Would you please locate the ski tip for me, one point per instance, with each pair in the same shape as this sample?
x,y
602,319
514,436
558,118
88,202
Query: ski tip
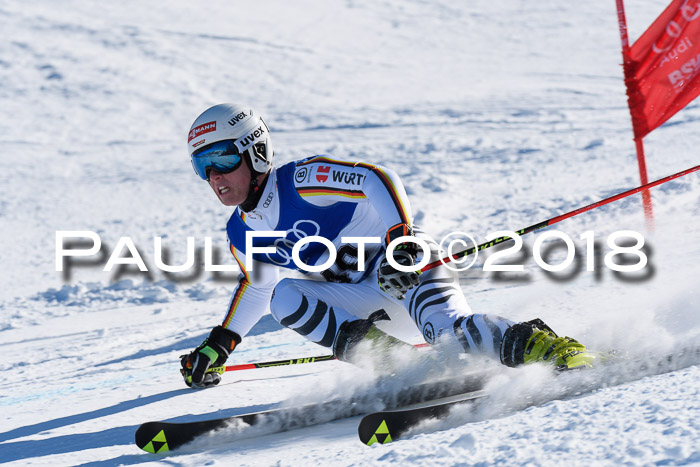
x,y
151,438
373,429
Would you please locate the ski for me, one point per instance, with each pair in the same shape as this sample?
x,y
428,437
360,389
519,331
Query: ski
x,y
160,436
384,427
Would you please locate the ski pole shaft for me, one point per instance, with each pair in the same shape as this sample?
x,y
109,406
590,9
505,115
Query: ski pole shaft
x,y
554,220
292,361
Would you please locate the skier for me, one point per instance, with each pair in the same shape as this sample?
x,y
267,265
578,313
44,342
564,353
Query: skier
x,y
344,303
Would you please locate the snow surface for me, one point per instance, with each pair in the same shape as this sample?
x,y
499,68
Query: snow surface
x,y
496,115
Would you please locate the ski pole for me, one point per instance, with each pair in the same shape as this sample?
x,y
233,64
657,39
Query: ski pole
x,y
292,361
554,220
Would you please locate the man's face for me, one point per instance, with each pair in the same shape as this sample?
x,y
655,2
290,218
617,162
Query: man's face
x,y
231,188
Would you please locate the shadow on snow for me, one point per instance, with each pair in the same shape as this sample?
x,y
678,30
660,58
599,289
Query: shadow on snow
x,y
266,324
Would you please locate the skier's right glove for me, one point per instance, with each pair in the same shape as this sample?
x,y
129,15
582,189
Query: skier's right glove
x,y
212,352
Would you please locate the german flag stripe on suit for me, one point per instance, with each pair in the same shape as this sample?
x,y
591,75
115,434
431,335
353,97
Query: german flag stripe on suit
x,y
242,286
383,177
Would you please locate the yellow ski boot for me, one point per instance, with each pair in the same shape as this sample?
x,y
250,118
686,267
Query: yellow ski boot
x,y
534,341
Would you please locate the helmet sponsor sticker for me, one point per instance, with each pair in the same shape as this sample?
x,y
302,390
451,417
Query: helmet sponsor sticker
x,y
201,129
194,145
257,135
237,118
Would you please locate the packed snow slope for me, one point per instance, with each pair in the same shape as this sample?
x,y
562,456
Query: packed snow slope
x,y
497,115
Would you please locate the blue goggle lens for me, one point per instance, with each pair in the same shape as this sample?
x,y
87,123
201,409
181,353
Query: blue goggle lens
x,y
222,156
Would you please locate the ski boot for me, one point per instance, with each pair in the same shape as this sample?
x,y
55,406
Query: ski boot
x,y
361,343
534,341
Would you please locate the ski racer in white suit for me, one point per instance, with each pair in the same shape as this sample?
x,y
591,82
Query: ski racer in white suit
x,y
357,299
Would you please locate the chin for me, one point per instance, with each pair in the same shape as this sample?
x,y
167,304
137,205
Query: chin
x,y
229,202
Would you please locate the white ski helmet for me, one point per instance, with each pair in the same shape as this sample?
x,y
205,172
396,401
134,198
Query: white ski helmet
x,y
237,124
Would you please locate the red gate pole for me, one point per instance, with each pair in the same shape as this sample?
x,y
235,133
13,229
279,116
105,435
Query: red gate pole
x,y
638,141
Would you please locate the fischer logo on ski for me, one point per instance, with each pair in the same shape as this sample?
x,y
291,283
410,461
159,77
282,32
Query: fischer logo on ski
x,y
384,435
158,444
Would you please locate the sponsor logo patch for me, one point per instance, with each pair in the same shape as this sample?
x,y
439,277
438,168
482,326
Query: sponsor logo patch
x,y
300,174
320,171
201,129
429,333
341,176
268,200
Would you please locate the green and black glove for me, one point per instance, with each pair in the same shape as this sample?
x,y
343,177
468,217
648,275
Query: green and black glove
x,y
213,352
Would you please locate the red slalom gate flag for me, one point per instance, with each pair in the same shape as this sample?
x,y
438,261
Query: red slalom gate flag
x,y
662,70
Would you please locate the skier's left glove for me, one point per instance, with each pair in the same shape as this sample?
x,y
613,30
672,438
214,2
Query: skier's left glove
x,y
213,352
392,281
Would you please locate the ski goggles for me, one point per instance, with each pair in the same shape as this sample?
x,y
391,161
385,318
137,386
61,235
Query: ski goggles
x,y
222,156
